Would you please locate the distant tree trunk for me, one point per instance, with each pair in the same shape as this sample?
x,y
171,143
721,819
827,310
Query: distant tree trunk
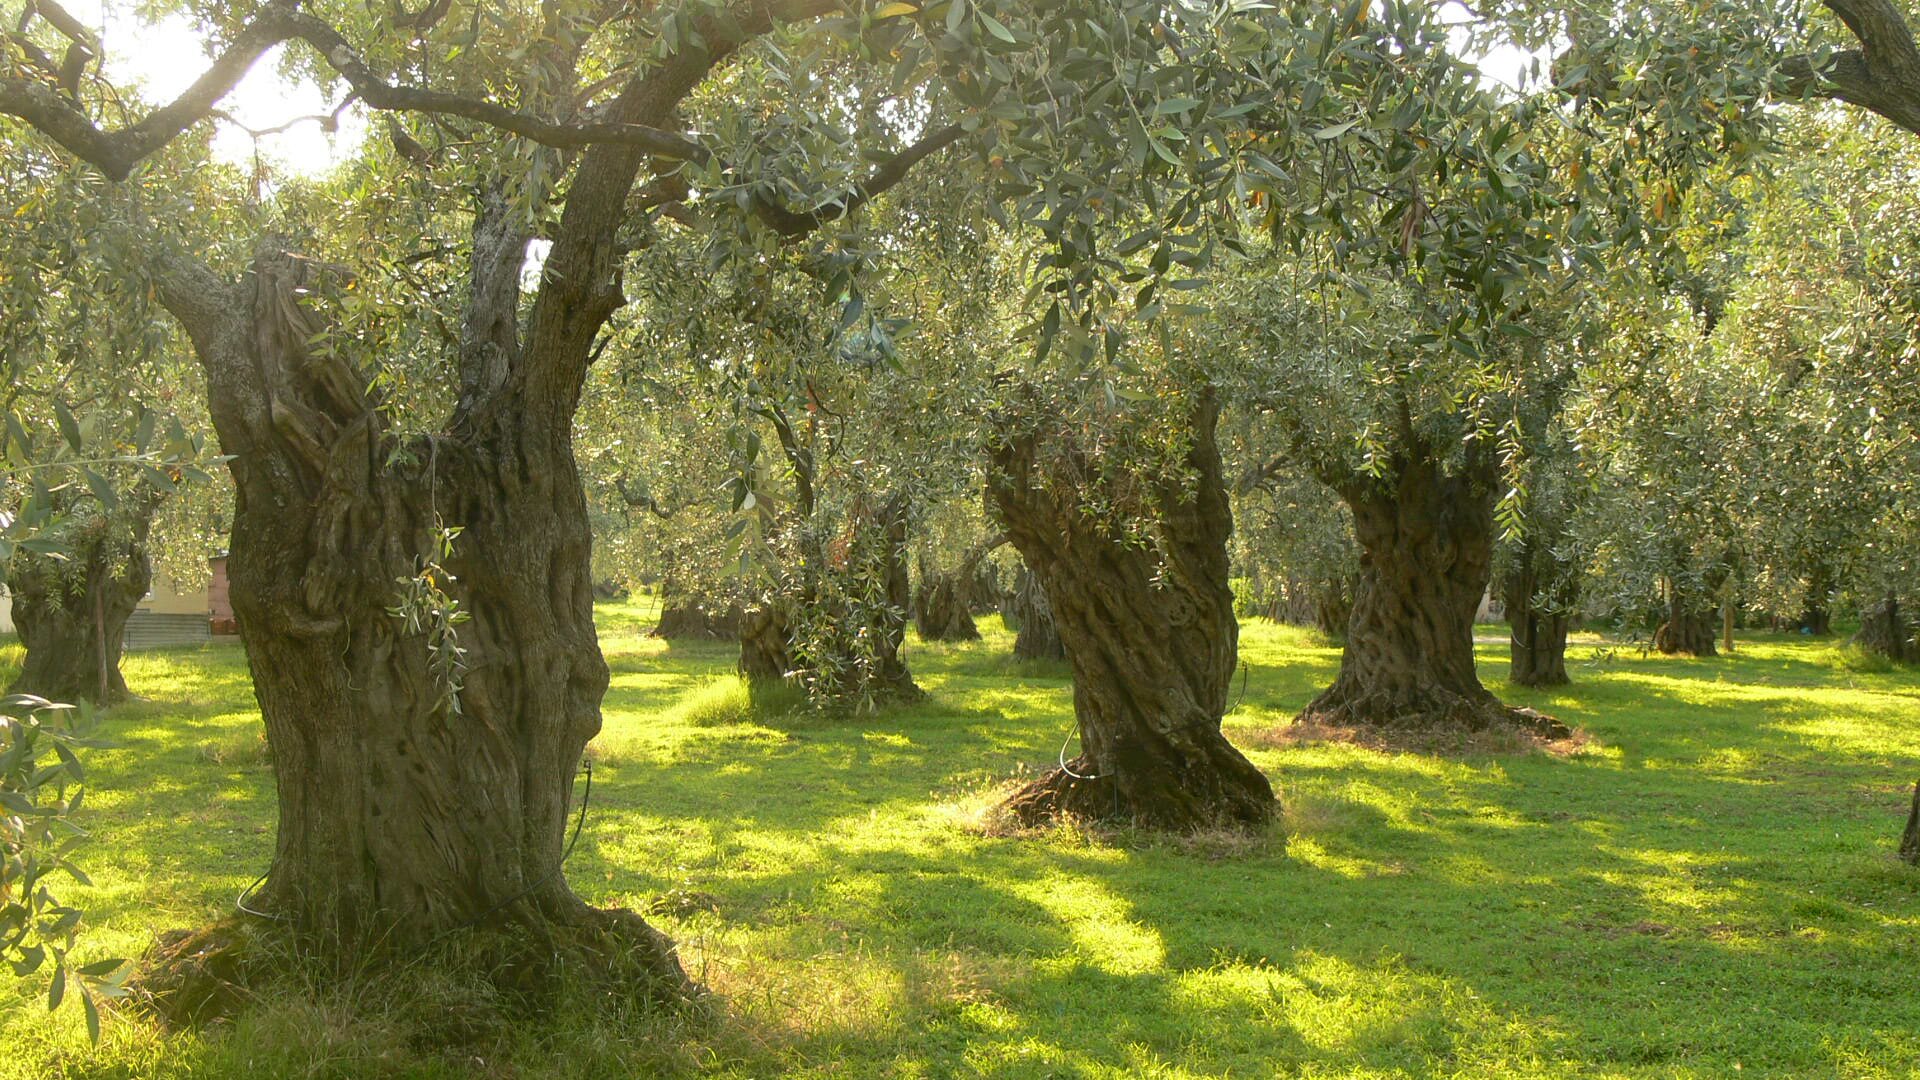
x,y
766,653
1816,614
840,646
71,614
944,609
1688,629
1910,839
1332,602
1426,540
1151,636
687,617
1727,620
886,523
1884,630
1538,641
1027,611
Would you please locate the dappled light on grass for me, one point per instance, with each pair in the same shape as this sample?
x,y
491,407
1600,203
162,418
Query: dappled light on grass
x,y
1709,882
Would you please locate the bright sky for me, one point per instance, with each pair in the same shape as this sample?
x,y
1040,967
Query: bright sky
x,y
165,57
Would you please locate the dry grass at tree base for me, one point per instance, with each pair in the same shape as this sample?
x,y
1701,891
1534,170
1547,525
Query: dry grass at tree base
x,y
1705,887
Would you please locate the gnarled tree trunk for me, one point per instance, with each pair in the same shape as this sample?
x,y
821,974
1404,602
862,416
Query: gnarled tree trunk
x,y
1027,611
1884,630
71,614
1152,639
1426,540
695,618
417,795
1688,629
943,610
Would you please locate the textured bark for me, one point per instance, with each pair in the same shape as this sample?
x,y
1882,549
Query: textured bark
x,y
1027,611
1539,625
766,650
697,619
1426,540
943,610
72,614
404,815
1152,639
1332,604
1910,838
887,522
1688,629
1885,630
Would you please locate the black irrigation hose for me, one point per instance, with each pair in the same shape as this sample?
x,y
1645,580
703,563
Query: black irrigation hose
x,y
579,824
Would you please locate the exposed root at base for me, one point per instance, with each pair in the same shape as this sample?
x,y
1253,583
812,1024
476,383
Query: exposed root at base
x,y
1510,731
503,971
1226,802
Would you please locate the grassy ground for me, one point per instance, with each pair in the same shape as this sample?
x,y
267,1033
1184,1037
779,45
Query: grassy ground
x,y
1706,888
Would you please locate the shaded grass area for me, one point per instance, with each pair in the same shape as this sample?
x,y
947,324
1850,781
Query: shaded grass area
x,y
1708,886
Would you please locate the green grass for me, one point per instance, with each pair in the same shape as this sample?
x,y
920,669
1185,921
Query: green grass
x,y
1708,887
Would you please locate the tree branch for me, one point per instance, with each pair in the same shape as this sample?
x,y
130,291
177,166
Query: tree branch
x,y
789,223
1882,76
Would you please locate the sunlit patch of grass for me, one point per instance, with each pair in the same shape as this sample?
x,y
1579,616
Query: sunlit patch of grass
x,y
1707,890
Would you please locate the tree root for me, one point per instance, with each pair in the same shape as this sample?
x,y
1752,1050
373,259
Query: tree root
x,y
192,978
1227,799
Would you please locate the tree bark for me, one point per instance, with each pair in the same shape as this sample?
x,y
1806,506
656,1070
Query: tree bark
x,y
1884,630
71,614
1152,638
685,617
840,646
1688,629
1538,640
943,611
424,777
1027,611
1426,540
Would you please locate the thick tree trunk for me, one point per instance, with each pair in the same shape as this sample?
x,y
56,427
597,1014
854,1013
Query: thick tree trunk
x,y
1688,629
409,807
1332,603
71,614
942,611
1152,638
766,652
1426,541
1884,630
1027,611
1539,630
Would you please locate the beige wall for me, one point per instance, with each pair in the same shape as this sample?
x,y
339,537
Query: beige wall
x,y
168,597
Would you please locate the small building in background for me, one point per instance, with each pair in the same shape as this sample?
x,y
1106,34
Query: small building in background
x,y
176,614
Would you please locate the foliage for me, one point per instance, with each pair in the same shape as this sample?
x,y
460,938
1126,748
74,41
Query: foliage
x,y
41,785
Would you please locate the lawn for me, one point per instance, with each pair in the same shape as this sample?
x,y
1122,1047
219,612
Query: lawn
x,y
1707,887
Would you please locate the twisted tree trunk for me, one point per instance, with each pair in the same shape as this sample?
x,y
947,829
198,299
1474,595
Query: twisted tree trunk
x,y
943,611
1152,638
424,768
1688,629
71,614
1426,540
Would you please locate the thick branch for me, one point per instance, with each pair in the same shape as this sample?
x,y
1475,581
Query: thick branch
x,y
789,223
1882,76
